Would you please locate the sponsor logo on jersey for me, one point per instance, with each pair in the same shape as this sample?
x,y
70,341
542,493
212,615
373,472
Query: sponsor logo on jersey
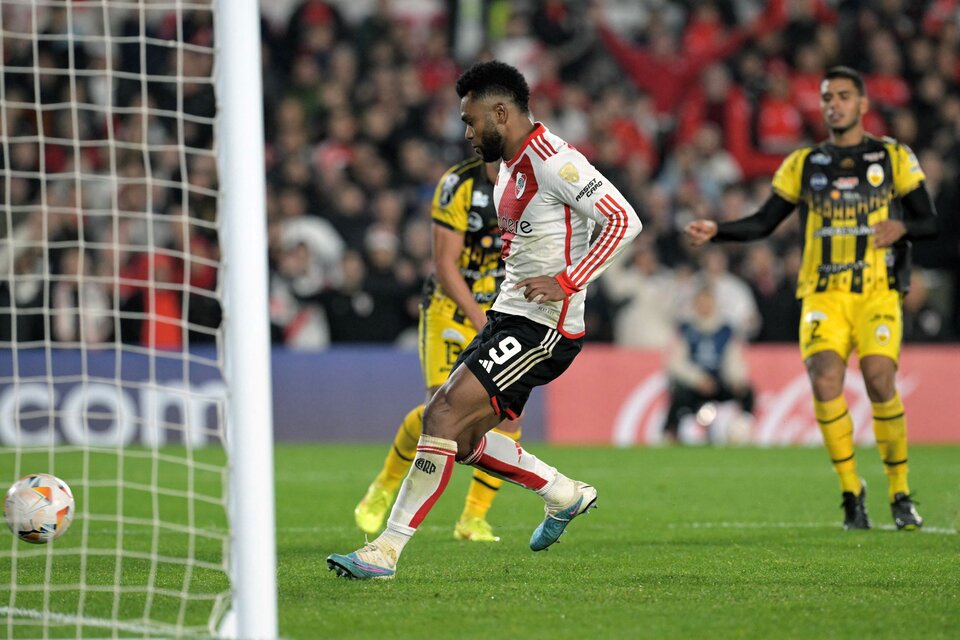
x,y
875,175
425,465
829,232
590,189
509,225
521,184
448,188
847,163
833,269
569,173
821,159
479,199
474,221
834,195
849,182
874,156
818,181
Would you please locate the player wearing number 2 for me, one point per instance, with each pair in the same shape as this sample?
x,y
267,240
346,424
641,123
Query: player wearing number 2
x,y
861,201
549,199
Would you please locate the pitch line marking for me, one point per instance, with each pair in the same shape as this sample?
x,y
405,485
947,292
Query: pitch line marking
x,y
797,525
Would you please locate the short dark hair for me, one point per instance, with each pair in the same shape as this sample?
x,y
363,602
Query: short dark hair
x,y
495,78
850,74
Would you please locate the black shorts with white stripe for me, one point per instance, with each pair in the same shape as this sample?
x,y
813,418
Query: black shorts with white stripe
x,y
511,355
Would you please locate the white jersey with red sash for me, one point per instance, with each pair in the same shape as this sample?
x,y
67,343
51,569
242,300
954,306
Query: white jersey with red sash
x,y
548,198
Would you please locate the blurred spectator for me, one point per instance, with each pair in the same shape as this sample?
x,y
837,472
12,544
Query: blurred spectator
x,y
736,302
705,363
645,294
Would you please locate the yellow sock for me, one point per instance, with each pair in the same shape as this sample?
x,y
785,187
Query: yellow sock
x,y
484,487
403,451
890,429
837,428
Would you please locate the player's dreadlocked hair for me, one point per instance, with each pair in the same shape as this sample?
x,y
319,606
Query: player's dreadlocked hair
x,y
495,78
848,73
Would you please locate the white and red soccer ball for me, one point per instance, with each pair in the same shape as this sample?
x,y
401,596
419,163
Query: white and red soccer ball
x,y
39,508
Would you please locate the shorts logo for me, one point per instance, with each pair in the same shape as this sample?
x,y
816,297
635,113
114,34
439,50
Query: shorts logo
x,y
569,173
818,181
882,334
425,465
875,175
487,365
521,184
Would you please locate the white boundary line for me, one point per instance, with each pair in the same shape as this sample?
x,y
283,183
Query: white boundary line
x,y
798,525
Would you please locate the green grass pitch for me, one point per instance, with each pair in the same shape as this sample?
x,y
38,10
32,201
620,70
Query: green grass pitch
x,y
686,543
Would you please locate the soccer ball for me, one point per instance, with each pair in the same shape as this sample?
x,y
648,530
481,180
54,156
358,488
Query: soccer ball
x,y
39,508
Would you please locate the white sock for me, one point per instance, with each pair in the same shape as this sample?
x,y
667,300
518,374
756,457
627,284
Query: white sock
x,y
500,456
426,480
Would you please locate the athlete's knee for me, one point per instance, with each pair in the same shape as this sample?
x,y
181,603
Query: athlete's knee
x,y
879,377
826,372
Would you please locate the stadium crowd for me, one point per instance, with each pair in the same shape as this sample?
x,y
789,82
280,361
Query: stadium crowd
x,y
688,106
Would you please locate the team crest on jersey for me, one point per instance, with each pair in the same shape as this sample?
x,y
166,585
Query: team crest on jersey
x,y
847,163
875,175
521,184
882,334
569,173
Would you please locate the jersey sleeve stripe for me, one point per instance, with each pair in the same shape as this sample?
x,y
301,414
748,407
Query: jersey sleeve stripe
x,y
613,233
600,250
546,144
543,150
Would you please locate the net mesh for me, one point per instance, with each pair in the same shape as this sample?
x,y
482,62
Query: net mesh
x,y
110,340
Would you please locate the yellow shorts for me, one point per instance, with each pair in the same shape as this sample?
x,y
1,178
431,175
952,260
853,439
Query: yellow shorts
x,y
871,323
442,338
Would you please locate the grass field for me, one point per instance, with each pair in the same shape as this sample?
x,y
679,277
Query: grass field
x,y
686,543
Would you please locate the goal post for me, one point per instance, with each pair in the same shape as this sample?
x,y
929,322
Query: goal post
x,y
134,335
243,206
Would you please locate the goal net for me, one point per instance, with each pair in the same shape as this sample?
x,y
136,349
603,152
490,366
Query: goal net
x,y
112,348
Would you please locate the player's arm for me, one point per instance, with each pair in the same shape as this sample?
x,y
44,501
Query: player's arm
x,y
759,225
447,247
575,183
920,221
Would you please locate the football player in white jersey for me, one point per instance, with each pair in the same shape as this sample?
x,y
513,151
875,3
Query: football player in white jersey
x,y
549,198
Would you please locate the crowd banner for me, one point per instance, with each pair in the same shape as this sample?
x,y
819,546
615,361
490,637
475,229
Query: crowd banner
x,y
618,396
609,396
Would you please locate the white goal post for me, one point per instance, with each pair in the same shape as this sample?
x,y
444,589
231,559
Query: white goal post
x,y
248,339
134,335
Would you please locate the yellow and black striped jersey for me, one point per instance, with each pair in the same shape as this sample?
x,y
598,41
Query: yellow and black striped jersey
x,y
841,192
463,202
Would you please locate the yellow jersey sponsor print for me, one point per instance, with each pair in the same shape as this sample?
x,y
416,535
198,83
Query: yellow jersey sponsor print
x,y
841,192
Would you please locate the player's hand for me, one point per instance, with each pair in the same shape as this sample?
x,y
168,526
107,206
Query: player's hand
x,y
886,232
541,289
700,231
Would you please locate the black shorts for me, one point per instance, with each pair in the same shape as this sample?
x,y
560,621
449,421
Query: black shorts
x,y
511,355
